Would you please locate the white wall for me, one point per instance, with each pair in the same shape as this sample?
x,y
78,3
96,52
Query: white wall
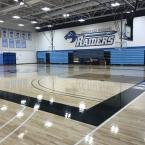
x,y
139,32
43,39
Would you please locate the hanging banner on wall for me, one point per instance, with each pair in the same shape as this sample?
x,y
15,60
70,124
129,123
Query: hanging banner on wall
x,y
23,43
91,39
11,43
4,33
23,35
4,42
18,43
29,36
11,34
17,35
14,38
0,34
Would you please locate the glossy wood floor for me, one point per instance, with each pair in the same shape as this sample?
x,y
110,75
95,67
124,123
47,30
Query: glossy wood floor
x,y
126,128
22,125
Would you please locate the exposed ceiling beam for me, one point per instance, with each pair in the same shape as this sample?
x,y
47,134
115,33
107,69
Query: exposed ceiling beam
x,y
58,7
75,8
130,4
89,18
15,7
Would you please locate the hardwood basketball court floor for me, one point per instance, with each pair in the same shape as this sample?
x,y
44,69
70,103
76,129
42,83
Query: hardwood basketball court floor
x,y
72,105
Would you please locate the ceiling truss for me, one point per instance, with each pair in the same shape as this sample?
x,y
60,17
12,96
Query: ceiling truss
x,y
86,9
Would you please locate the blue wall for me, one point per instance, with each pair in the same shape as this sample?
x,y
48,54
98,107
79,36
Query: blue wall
x,y
41,56
8,58
1,58
59,57
133,56
130,55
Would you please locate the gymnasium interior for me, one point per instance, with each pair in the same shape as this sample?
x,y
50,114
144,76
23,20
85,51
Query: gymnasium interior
x,y
72,72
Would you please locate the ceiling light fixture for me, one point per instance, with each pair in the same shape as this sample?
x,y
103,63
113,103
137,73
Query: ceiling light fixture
x,y
46,9
37,28
81,20
34,22
128,12
66,15
1,21
21,2
116,4
21,25
49,26
16,17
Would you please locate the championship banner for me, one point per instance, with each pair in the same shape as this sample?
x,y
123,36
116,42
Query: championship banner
x,y
0,33
4,33
17,35
18,43
4,42
23,43
11,33
11,43
29,36
23,35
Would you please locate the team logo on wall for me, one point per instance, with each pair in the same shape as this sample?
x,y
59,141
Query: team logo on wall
x,y
91,39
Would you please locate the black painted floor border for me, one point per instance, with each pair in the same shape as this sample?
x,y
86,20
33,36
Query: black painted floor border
x,y
93,116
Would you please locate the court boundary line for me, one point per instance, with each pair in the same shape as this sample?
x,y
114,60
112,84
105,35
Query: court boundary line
x,y
16,129
57,93
13,118
105,122
62,93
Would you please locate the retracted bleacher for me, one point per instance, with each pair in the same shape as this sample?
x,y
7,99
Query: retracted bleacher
x,y
58,57
89,56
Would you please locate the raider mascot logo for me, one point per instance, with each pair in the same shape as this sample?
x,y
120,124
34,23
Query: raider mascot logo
x,y
91,39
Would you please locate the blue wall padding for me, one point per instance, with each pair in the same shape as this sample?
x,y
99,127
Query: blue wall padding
x,y
128,56
1,58
8,58
59,57
41,56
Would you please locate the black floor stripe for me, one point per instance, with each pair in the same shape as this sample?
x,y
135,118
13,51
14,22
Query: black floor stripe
x,y
94,116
